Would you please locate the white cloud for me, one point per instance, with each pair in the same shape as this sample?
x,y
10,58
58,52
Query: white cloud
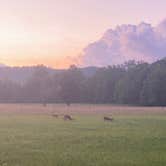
x,y
127,42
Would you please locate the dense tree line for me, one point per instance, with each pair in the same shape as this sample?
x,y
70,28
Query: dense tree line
x,y
134,83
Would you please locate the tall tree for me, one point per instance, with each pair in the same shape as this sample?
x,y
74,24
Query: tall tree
x,y
71,85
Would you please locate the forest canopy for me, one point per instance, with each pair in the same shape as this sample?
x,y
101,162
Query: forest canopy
x,y
133,83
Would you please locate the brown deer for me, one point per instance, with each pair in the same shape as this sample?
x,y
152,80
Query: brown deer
x,y
44,104
108,119
55,115
67,117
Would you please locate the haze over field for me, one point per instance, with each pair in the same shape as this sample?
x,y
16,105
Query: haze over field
x,y
57,33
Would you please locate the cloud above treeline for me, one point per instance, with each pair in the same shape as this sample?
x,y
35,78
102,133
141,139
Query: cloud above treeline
x,y
141,42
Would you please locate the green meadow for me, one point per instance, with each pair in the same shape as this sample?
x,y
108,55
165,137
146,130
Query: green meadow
x,y
38,139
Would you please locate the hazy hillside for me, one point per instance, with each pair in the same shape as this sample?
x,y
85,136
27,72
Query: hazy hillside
x,y
22,74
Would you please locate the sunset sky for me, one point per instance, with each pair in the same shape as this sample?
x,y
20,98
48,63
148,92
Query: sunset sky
x,y
54,32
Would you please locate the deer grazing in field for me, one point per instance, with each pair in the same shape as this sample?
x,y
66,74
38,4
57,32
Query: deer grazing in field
x,y
67,117
55,115
68,104
108,119
44,104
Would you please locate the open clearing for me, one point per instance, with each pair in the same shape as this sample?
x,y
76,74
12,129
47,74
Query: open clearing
x,y
30,136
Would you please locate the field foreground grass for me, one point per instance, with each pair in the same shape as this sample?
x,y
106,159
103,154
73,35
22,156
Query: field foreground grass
x,y
30,136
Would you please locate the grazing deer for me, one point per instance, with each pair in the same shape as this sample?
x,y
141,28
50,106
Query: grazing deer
x,y
44,104
67,117
55,115
68,104
108,119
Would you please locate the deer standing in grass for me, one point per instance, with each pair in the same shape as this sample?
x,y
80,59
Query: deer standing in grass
x,y
108,119
67,117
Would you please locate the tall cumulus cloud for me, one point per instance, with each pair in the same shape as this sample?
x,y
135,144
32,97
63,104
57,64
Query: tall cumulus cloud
x,y
141,42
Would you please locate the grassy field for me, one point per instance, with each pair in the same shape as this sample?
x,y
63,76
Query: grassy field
x,y
30,136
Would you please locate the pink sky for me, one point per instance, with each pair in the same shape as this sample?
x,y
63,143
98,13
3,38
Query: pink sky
x,y
52,32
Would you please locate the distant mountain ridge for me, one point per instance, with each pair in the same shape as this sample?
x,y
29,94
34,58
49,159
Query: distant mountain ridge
x,y
2,65
22,74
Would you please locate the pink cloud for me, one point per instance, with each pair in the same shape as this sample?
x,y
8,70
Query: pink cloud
x,y
127,42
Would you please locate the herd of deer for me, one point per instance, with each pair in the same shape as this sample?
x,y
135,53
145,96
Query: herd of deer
x,y
69,117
